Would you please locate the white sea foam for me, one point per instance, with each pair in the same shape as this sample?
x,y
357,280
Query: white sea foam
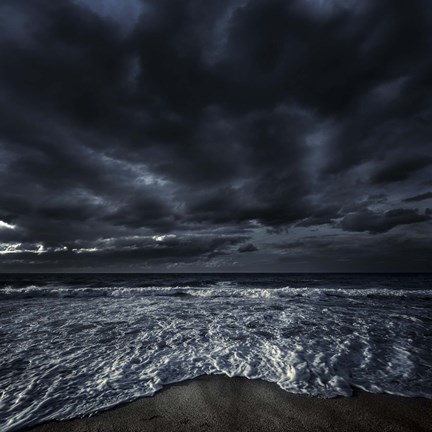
x,y
219,290
73,350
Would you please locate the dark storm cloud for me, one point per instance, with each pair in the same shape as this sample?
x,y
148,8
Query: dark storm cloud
x,y
421,197
381,222
370,254
248,248
124,253
401,170
165,132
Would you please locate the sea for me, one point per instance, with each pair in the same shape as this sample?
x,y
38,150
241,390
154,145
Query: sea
x,y
75,344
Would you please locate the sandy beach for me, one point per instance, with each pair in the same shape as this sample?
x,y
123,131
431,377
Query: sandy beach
x,y
219,403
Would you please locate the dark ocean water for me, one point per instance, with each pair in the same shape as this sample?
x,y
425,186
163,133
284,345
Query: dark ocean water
x,y
74,344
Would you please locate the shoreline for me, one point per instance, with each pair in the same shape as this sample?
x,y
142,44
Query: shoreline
x,y
220,403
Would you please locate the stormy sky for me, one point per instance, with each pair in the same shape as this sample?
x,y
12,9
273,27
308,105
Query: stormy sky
x,y
223,135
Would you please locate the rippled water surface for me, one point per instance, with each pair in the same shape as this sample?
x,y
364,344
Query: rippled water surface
x,y
74,344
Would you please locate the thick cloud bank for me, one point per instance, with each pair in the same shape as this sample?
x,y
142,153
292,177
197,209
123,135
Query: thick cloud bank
x,y
166,135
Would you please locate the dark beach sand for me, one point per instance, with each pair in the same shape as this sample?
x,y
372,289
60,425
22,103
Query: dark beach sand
x,y
219,403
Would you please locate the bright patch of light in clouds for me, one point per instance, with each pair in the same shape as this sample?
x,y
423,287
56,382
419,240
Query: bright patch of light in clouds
x,y
5,225
83,250
7,248
17,248
161,238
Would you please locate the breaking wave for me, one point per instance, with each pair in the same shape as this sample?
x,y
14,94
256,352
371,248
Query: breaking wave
x,y
217,291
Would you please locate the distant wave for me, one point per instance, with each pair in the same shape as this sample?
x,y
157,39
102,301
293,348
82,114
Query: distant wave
x,y
217,291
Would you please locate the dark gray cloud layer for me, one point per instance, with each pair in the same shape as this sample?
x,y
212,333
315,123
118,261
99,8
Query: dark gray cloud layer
x,y
165,135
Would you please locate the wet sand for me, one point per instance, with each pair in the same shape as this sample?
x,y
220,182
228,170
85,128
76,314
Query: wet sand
x,y
219,403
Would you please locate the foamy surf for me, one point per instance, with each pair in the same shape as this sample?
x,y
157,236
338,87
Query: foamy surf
x,y
72,349
217,291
